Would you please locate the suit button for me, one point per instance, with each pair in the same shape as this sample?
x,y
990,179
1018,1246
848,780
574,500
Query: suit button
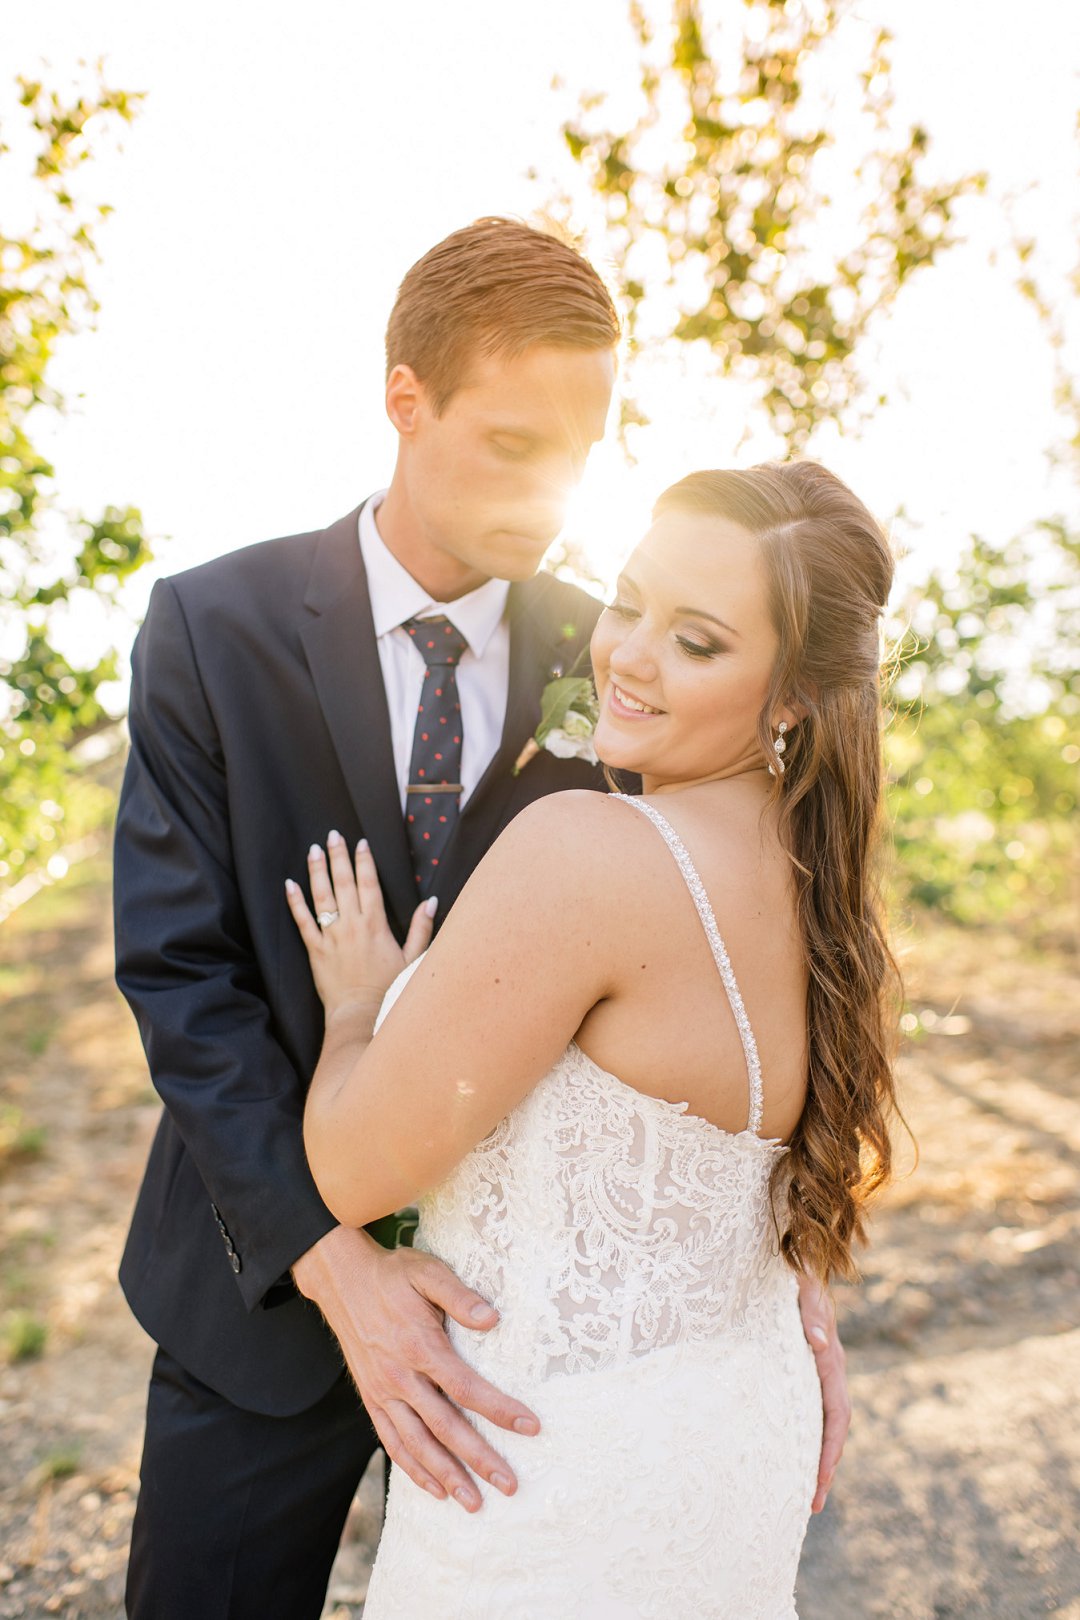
x,y
234,1261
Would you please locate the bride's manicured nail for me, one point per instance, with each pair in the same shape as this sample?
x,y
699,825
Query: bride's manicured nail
x,y
333,839
503,1482
314,853
361,848
526,1426
290,886
478,1312
463,1496
436,1492
431,906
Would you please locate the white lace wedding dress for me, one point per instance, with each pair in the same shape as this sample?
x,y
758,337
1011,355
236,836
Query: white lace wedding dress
x,y
648,1320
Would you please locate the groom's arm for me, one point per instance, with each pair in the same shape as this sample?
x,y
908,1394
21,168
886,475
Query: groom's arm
x,y
186,966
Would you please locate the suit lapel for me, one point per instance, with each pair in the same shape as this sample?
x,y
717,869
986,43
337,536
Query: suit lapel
x,y
534,651
338,637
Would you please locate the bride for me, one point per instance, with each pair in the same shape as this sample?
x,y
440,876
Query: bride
x,y
641,1080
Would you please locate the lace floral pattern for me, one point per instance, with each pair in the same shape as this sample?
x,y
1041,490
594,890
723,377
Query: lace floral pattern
x,y
605,1224
648,1319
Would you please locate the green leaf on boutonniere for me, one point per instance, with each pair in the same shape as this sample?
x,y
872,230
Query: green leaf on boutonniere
x,y
559,697
568,715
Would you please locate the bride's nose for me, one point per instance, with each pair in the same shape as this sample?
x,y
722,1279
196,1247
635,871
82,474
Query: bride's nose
x,y
634,654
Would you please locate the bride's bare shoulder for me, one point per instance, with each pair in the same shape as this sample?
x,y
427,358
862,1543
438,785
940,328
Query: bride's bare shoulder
x,y
579,842
580,819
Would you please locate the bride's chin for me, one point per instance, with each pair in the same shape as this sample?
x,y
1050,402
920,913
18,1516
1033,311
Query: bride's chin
x,y
622,759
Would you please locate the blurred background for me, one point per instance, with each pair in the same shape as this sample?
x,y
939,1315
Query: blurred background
x,y
847,231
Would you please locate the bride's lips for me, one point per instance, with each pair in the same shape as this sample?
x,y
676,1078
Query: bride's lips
x,y
624,711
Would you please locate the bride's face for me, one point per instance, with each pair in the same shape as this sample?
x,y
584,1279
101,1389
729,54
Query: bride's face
x,y
684,654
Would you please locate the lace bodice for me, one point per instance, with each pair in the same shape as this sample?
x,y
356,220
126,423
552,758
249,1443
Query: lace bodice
x,y
647,1317
605,1223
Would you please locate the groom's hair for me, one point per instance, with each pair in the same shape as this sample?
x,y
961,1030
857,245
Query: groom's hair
x,y
494,288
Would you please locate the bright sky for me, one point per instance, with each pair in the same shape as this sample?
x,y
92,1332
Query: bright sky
x,y
291,162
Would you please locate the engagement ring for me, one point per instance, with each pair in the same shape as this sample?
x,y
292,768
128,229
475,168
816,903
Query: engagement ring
x,y
327,919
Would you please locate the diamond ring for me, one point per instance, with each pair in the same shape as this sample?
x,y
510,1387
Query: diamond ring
x,y
327,919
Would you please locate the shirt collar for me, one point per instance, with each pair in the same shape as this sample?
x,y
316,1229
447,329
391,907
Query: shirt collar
x,y
396,596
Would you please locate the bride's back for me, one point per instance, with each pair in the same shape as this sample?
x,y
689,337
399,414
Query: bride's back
x,y
667,1028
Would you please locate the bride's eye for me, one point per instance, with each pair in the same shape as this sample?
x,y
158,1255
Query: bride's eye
x,y
696,649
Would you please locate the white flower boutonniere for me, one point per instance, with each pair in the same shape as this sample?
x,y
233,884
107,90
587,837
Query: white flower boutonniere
x,y
568,715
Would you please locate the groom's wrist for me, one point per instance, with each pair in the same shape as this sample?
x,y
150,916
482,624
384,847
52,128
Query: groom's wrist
x,y
339,1254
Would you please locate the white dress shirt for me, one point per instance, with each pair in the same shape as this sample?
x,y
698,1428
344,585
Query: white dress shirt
x,y
483,675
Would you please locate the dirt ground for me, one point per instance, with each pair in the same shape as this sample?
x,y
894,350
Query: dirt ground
x,y
959,1494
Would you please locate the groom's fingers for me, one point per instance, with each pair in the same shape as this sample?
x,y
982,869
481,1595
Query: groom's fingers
x,y
394,1447
837,1409
425,1452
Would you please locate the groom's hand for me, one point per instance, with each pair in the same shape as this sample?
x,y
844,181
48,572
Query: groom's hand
x,y
387,1309
819,1325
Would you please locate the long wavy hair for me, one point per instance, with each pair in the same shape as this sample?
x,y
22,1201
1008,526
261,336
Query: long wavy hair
x,y
829,570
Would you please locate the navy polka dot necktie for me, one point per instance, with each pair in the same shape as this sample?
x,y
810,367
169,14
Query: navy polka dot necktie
x,y
433,797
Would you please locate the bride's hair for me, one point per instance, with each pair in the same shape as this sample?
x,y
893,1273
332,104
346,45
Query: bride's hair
x,y
829,570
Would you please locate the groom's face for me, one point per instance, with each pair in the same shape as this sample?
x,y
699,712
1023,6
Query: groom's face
x,y
488,480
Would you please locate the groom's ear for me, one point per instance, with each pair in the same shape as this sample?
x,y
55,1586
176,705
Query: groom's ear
x,y
405,395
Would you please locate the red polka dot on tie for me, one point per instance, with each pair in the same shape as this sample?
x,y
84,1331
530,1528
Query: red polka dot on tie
x,y
425,736
434,860
427,801
426,837
457,739
438,756
421,772
431,644
442,722
438,691
412,818
442,818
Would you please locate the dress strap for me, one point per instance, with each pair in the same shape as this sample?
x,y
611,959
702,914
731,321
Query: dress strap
x,y
719,950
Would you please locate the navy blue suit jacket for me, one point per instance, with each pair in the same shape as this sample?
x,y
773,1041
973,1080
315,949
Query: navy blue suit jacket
x,y
258,722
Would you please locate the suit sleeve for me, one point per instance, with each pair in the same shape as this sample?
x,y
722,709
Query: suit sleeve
x,y
186,966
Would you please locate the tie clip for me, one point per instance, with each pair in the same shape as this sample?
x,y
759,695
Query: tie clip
x,y
434,787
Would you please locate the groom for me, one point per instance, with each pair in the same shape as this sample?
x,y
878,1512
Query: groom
x,y
277,694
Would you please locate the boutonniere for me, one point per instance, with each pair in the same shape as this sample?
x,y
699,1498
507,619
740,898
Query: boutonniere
x,y
568,715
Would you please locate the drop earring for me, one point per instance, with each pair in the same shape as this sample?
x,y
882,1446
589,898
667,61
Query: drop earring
x,y
779,745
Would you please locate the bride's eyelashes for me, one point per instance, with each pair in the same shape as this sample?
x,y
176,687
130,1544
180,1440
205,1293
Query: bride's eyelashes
x,y
693,649
697,649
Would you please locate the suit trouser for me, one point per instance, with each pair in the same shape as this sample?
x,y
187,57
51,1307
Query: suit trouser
x,y
239,1515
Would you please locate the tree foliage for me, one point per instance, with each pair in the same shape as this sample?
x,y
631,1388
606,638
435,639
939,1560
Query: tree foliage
x,y
48,707
713,194
982,745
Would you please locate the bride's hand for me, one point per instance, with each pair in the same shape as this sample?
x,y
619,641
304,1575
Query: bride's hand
x,y
354,956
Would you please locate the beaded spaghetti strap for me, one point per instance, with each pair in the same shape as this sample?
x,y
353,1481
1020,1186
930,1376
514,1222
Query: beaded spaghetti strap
x,y
719,950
